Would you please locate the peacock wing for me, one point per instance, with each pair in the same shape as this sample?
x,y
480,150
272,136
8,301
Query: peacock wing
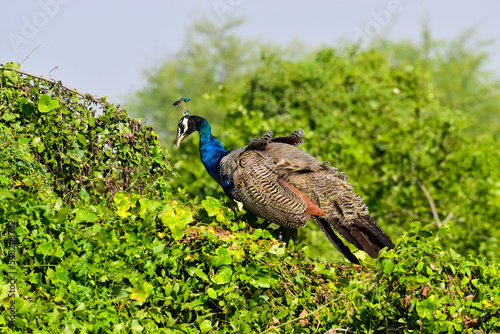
x,y
344,211
258,187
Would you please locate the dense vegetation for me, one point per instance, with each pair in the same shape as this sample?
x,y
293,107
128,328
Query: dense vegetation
x,y
111,239
416,143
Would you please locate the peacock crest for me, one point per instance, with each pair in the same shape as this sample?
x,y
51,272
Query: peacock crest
x,y
181,105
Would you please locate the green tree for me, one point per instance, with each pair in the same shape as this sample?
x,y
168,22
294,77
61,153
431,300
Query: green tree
x,y
459,71
406,153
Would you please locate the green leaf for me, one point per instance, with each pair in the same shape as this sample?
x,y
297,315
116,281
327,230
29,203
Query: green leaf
x,y
46,248
211,293
211,205
198,272
26,107
420,266
84,215
41,147
425,308
5,194
206,326
177,221
421,279
76,154
387,266
222,257
147,206
61,214
61,275
81,138
136,327
84,195
142,291
121,291
265,281
123,204
12,76
223,275
9,117
46,104
96,228
425,234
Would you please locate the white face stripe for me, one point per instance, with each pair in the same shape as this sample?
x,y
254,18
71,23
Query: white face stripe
x,y
183,128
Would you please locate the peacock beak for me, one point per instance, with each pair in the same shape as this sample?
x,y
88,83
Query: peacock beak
x,y
178,140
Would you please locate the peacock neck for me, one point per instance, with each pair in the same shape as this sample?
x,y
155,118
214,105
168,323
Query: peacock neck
x,y
211,151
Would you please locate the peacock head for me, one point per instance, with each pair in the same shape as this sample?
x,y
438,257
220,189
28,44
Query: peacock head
x,y
187,124
185,127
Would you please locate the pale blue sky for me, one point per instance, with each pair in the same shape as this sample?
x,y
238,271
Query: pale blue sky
x,y
102,47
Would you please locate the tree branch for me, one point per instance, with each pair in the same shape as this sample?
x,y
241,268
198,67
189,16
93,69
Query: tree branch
x,y
431,203
450,215
55,82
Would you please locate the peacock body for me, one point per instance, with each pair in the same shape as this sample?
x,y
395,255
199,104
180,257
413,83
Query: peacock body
x,y
277,181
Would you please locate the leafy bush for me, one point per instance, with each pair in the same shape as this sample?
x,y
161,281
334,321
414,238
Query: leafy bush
x,y
87,145
162,267
146,259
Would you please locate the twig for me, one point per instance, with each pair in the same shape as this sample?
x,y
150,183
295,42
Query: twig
x,y
431,203
55,82
29,54
53,70
450,215
345,330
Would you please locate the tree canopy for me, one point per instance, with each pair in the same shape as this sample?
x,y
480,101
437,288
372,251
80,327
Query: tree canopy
x,y
386,115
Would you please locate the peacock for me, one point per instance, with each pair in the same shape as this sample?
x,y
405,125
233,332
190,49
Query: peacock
x,y
279,182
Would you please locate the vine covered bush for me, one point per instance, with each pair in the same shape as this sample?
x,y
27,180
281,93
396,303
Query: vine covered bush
x,y
85,144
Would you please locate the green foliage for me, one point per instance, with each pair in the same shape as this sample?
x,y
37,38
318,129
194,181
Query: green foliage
x,y
381,123
89,147
142,265
153,261
440,290
18,167
460,76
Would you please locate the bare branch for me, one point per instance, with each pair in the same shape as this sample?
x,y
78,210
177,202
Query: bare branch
x,y
431,203
53,70
30,54
55,82
450,215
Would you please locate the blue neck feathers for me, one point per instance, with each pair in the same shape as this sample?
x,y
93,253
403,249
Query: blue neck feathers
x,y
211,151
